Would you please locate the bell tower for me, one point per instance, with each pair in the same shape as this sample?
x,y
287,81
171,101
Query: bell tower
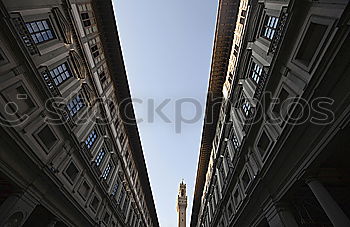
x,y
181,205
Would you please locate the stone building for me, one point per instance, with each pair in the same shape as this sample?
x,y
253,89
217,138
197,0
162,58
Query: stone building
x,y
70,152
275,147
181,205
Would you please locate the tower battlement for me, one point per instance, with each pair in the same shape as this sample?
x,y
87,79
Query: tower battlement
x,y
181,205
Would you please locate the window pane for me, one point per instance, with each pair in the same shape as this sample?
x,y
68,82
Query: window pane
x,y
40,26
40,30
60,74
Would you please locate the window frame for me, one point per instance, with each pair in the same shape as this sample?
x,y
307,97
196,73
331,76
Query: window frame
x,y
104,216
83,104
52,67
292,95
254,63
266,26
268,149
91,18
40,142
11,86
93,142
50,27
96,43
90,188
115,187
316,19
230,203
250,175
236,204
98,204
107,171
72,182
246,107
105,80
98,160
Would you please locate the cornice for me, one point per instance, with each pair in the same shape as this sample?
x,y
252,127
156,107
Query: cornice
x,y
225,25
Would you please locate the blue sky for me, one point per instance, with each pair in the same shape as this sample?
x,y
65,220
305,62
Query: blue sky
x,y
167,47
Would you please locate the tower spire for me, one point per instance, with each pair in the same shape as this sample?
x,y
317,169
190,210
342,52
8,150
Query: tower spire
x,y
181,204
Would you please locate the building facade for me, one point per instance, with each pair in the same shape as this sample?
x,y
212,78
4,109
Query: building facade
x,y
181,205
70,152
274,149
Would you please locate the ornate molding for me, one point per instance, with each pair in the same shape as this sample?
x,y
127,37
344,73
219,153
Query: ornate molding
x,y
279,30
64,26
78,63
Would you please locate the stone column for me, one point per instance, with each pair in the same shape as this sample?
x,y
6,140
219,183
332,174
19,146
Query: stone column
x,y
16,209
279,215
329,205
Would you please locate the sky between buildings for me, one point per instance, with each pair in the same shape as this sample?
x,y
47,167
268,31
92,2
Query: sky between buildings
x,y
167,47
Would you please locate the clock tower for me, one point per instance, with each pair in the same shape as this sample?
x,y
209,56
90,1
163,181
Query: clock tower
x,y
181,205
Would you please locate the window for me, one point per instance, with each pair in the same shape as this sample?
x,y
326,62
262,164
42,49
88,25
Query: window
x,y
94,203
245,179
103,75
89,142
230,78
229,209
84,189
246,107
75,105
72,172
19,100
236,196
241,20
263,144
87,18
122,137
95,51
95,47
111,108
40,31
115,188
47,138
107,171
100,156
256,72
236,49
269,27
60,74
310,43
